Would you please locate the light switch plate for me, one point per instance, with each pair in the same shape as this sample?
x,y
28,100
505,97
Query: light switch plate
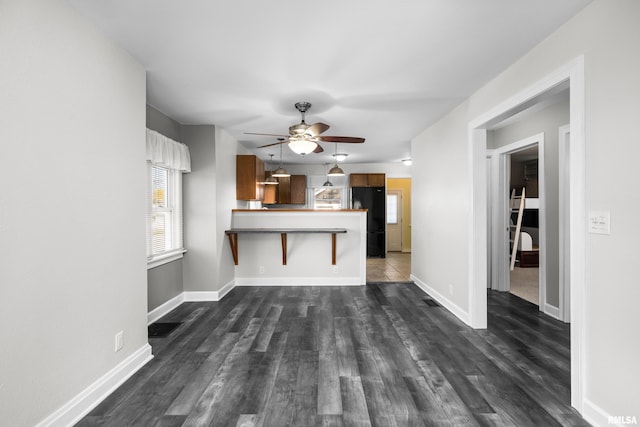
x,y
600,222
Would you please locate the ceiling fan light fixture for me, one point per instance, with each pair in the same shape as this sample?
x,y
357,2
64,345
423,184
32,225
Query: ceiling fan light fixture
x,y
340,156
302,146
335,171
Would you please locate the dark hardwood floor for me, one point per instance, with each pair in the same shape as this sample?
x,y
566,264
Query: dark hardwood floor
x,y
380,355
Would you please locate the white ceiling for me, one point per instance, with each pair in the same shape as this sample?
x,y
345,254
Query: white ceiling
x,y
378,69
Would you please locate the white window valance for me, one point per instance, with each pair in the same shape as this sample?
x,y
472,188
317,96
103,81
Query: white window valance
x,y
163,151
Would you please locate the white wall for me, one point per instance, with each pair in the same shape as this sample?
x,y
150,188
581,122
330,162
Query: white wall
x,y
607,34
72,210
439,209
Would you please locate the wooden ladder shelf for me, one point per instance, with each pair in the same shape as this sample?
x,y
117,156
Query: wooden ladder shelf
x,y
520,209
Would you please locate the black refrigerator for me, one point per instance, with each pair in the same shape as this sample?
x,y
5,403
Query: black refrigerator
x,y
374,200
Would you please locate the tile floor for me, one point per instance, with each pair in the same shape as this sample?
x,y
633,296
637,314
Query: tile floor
x,y
396,267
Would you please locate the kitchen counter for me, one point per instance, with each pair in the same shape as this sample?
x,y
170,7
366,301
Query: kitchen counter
x,y
309,256
299,210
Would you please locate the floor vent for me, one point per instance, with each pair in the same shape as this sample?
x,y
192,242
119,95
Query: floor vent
x,y
430,302
162,329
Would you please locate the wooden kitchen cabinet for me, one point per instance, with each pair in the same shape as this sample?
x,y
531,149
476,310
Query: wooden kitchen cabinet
x,y
284,190
290,190
270,191
298,189
249,176
358,180
367,180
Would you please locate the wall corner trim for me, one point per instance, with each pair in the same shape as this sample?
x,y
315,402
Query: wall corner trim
x,y
446,303
72,411
165,308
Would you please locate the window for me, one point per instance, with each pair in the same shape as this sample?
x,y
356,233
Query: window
x,y
164,225
392,208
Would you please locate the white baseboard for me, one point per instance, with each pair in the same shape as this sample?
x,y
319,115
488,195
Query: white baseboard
x,y
198,296
174,302
298,281
445,302
552,311
90,397
165,308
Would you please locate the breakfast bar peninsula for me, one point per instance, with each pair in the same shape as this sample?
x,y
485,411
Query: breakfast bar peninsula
x,y
299,246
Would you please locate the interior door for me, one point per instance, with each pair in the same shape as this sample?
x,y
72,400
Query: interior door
x,y
394,220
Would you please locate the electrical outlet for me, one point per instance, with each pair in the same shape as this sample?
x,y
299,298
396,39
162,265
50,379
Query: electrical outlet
x,y
262,269
335,268
119,341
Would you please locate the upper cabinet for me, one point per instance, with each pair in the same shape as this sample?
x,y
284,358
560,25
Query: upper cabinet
x,y
249,177
298,194
291,190
367,180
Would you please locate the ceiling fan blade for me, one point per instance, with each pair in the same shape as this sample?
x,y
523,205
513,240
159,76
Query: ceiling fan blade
x,y
266,134
318,149
347,139
317,128
275,143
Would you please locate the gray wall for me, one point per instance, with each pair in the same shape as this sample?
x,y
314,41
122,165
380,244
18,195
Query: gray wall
x,y
199,205
72,191
164,282
209,197
546,121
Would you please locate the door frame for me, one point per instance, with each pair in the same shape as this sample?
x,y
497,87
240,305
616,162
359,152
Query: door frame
x,y
564,223
500,183
572,74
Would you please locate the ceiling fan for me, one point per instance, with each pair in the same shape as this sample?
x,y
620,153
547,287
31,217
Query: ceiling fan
x,y
303,138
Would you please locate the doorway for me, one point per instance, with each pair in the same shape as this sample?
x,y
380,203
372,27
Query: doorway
x,y
396,265
570,75
525,280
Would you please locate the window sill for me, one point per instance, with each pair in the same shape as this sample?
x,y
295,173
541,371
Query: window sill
x,y
165,258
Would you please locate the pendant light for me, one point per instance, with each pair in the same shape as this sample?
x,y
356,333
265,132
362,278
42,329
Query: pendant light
x,y
270,179
280,172
327,183
336,171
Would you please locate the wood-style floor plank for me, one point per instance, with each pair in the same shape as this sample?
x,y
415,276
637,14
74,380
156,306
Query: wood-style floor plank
x,y
382,355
